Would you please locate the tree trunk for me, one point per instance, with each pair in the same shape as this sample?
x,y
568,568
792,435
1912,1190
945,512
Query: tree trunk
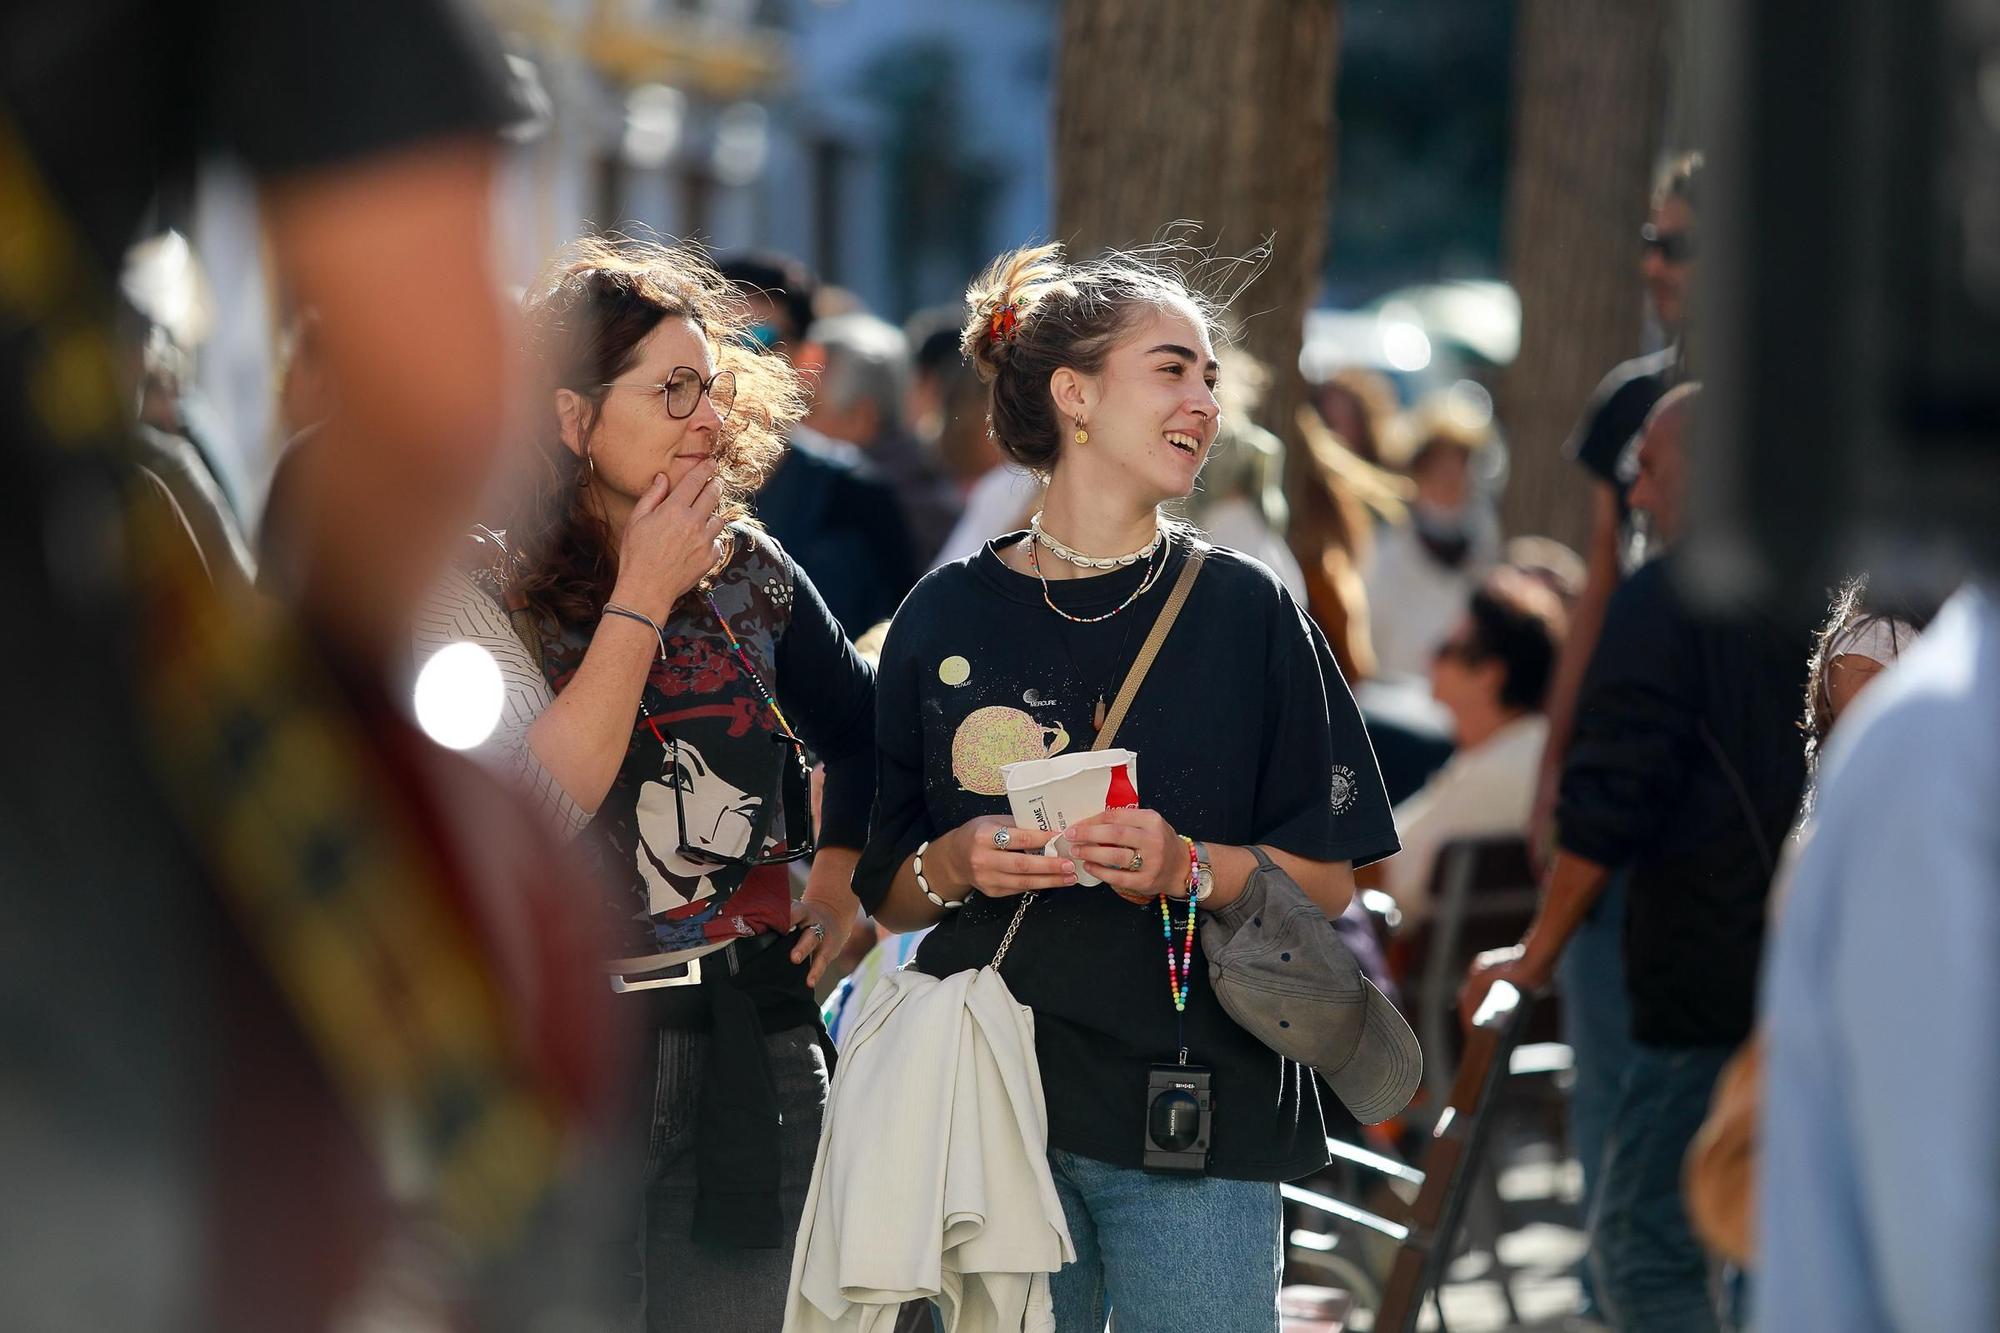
x,y
1220,114
1589,90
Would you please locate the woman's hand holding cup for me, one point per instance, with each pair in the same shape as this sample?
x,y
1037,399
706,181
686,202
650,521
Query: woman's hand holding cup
x,y
998,868
673,538
1107,843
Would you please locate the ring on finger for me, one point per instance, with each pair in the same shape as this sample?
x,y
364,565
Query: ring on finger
x,y
1138,861
1001,837
818,929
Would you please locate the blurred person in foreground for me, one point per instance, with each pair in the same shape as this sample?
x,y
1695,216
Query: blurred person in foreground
x,y
830,509
1876,1159
1421,571
859,399
1492,673
668,666
1685,771
1102,378
239,887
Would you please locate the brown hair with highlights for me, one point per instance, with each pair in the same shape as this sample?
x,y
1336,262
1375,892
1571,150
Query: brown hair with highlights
x,y
1033,312
586,316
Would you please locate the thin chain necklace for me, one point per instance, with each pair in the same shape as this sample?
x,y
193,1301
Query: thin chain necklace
x,y
1090,561
1097,713
1145,585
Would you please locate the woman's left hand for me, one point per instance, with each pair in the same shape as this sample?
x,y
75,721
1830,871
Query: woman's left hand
x,y
826,931
1107,843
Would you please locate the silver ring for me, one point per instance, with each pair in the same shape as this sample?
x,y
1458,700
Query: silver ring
x,y
1001,837
1138,860
818,929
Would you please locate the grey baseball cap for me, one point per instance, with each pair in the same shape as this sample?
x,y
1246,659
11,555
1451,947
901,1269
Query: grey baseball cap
x,y
1283,973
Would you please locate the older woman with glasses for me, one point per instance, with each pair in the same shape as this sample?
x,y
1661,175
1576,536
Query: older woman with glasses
x,y
669,667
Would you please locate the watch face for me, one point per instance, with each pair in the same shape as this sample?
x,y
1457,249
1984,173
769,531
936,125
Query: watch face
x,y
1204,880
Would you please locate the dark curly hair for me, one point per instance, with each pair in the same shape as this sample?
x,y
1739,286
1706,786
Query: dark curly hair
x,y
1033,312
586,315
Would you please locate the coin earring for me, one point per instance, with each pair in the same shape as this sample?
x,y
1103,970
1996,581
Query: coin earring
x,y
1082,436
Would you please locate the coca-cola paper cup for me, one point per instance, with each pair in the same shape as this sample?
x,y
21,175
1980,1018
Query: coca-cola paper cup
x,y
1052,794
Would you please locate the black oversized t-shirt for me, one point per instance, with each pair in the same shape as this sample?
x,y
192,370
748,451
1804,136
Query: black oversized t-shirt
x,y
1245,733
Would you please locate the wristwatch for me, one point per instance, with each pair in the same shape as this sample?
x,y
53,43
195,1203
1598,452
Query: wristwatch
x,y
1201,881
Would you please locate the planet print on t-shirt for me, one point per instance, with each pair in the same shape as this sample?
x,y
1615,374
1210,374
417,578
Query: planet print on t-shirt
x,y
992,737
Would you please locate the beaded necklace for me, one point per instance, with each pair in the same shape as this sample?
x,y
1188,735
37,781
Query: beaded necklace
x,y
1179,973
743,656
1157,567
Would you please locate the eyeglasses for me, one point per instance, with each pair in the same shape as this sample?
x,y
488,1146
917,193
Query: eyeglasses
x,y
683,391
1676,247
794,794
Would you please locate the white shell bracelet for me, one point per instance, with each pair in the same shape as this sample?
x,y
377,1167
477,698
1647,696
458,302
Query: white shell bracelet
x,y
925,884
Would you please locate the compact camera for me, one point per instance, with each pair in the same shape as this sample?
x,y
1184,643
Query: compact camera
x,y
1180,1115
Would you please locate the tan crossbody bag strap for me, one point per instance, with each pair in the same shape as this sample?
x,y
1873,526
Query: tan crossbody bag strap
x,y
1150,649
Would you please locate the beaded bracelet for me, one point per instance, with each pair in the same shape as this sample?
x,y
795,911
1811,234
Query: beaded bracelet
x,y
925,884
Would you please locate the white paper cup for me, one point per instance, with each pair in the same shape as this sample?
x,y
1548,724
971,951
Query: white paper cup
x,y
1052,794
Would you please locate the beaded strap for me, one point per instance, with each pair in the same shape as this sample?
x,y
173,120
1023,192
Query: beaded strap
x,y
743,656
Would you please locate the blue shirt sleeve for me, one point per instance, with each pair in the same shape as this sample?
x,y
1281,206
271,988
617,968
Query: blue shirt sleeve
x,y
1878,1199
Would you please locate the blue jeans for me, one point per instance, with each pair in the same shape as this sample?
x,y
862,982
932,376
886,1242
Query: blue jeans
x,y
1166,1253
1597,1027
1652,1274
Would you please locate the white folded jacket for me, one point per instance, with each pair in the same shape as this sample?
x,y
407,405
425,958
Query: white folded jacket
x,y
932,1179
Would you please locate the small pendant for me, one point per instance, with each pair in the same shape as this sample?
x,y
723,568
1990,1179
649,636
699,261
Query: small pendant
x,y
1097,715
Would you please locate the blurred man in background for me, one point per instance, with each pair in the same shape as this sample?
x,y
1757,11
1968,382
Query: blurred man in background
x,y
825,504
864,378
1686,771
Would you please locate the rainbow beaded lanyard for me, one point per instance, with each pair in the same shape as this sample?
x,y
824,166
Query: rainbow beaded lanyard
x,y
1179,971
743,656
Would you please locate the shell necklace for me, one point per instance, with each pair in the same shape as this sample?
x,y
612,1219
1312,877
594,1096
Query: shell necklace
x,y
1146,583
1062,552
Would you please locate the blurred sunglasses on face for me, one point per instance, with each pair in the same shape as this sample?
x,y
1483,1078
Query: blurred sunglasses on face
x,y
682,391
1458,650
1676,247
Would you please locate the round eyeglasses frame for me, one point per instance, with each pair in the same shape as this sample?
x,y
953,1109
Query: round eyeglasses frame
x,y
687,387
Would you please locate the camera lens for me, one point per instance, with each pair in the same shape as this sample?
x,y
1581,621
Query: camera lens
x,y
1174,1120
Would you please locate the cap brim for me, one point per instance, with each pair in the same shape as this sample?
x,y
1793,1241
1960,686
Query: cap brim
x,y
1386,1068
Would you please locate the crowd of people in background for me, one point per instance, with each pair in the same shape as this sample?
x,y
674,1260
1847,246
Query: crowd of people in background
x,y
776,591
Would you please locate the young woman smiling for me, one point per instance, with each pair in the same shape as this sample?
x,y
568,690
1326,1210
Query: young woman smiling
x,y
1102,378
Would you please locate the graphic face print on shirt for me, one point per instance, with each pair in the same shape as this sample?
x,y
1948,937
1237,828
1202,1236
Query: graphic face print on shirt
x,y
721,817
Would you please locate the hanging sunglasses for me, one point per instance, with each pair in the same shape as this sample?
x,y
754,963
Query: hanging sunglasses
x,y
683,390
794,794
1676,247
